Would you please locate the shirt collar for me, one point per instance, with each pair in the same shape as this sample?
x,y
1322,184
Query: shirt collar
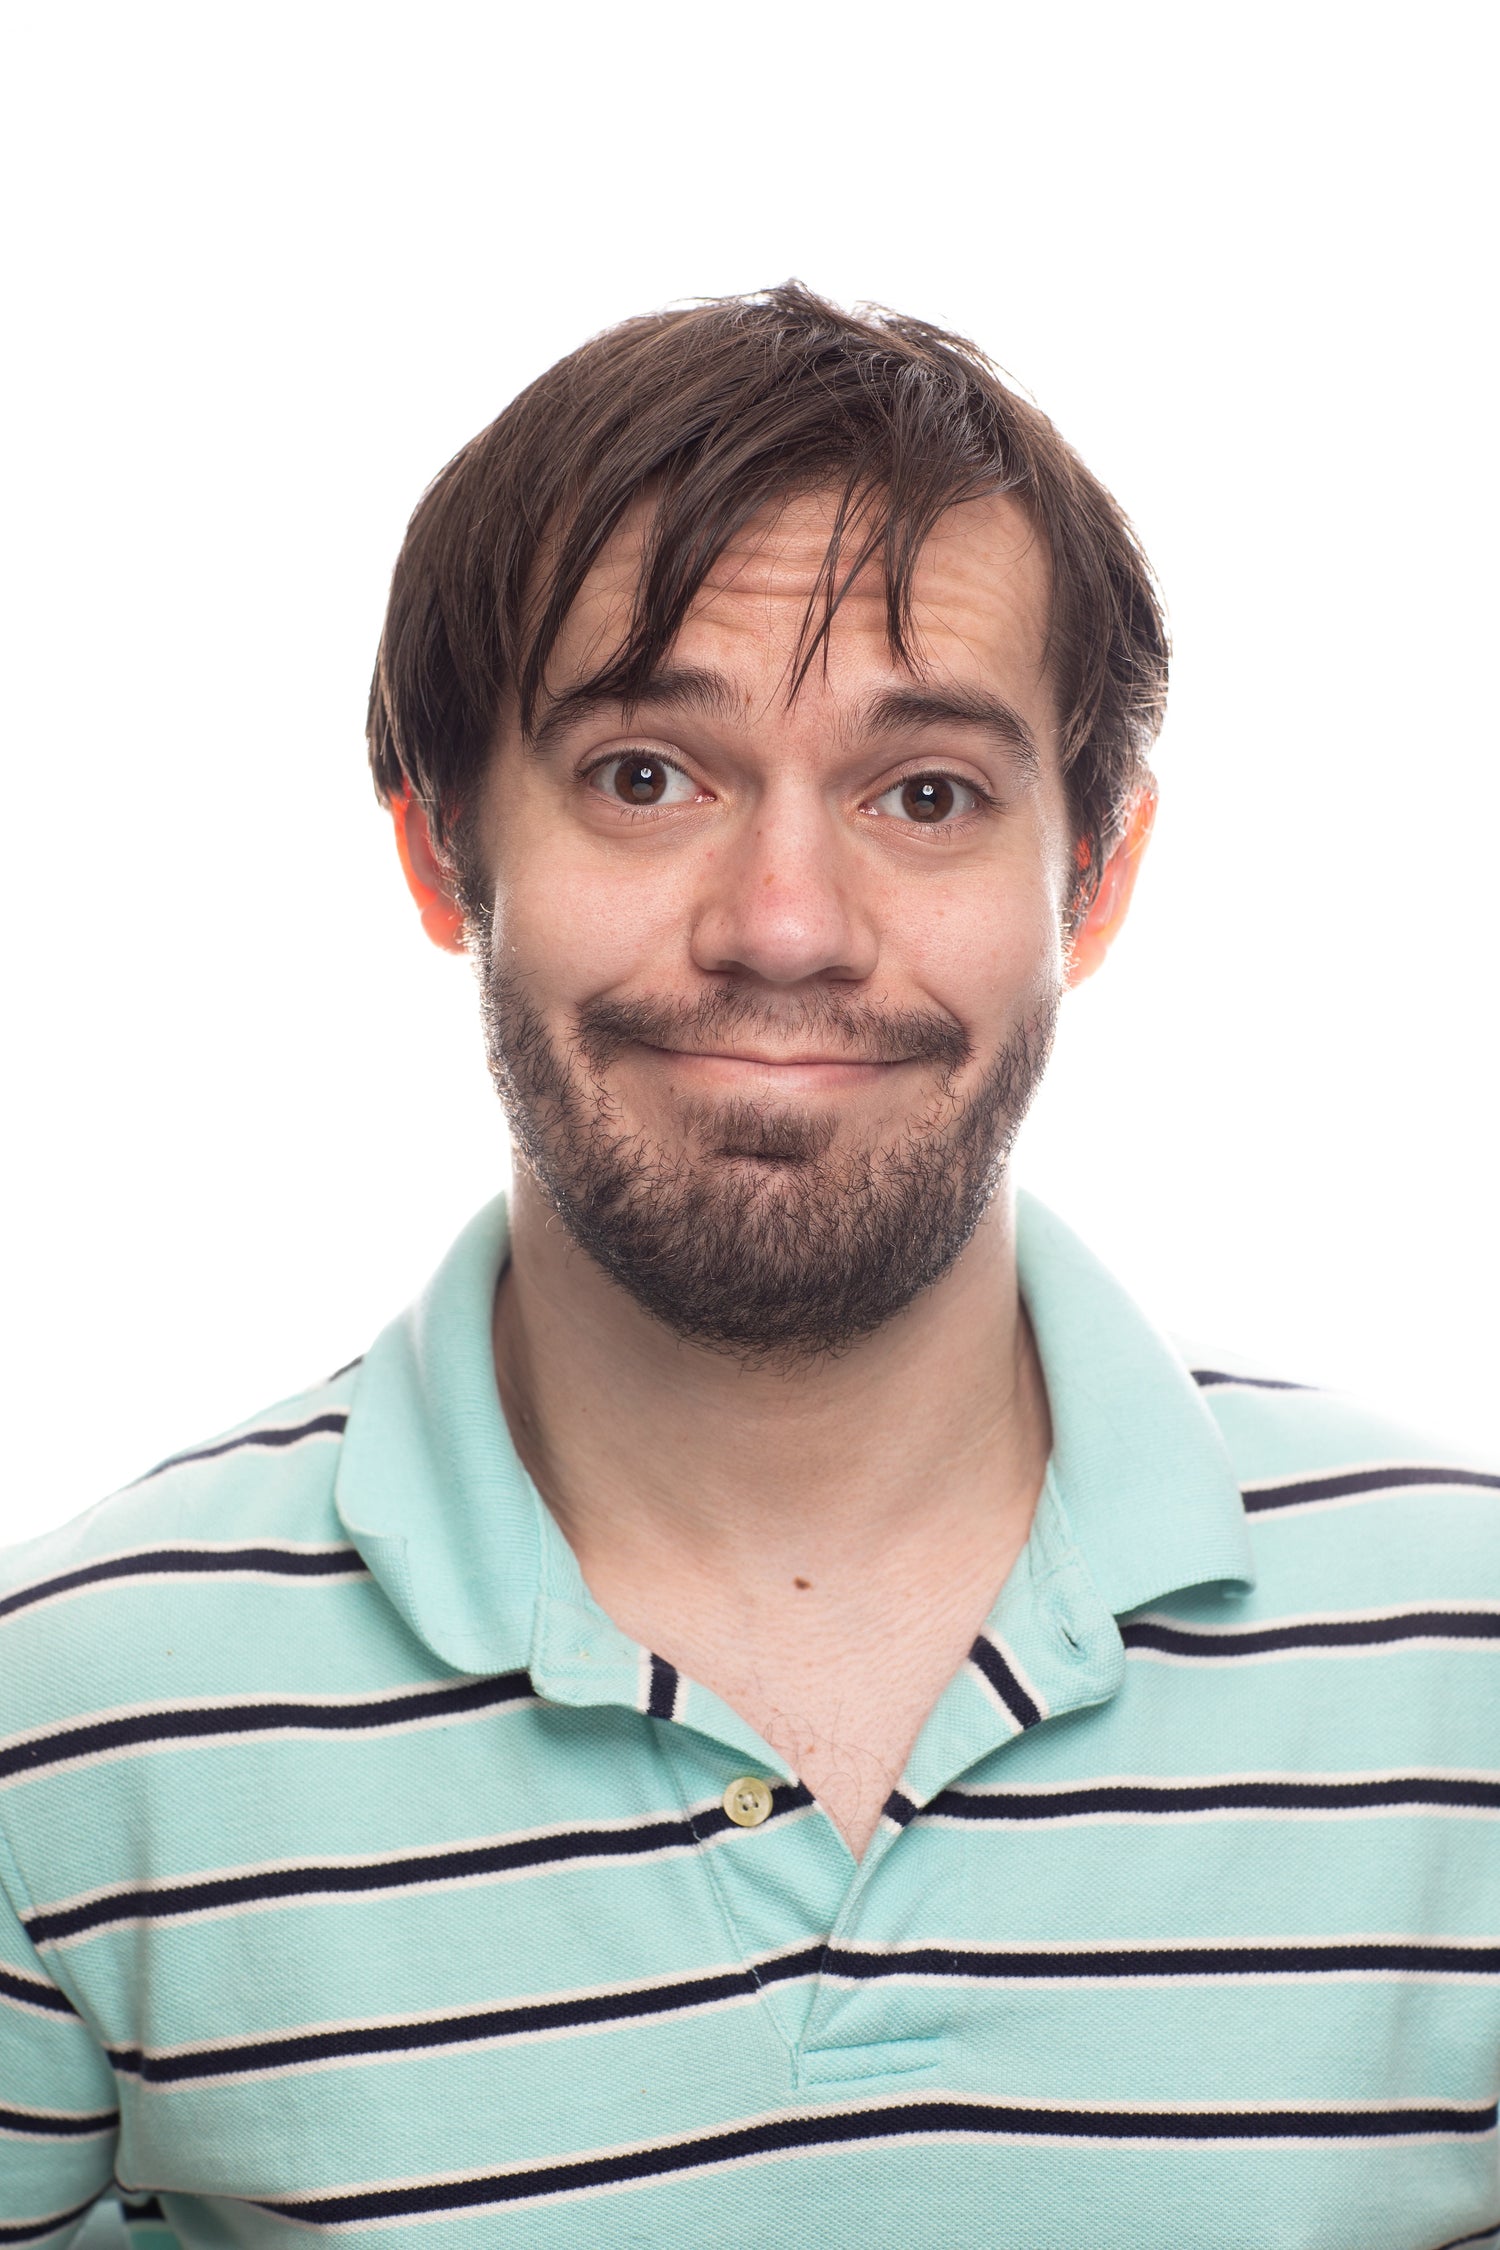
x,y
430,1488
1138,1461
432,1493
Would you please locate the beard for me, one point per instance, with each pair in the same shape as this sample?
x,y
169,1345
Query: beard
x,y
758,1235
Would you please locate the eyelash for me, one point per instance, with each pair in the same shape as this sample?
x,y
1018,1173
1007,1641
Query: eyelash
x,y
983,800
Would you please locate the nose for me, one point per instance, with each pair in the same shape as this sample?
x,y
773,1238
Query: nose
x,y
781,899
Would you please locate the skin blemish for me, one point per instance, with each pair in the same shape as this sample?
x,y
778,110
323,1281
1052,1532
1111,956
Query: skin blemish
x,y
803,1585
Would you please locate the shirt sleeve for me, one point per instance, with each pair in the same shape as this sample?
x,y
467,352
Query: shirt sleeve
x,y
58,2113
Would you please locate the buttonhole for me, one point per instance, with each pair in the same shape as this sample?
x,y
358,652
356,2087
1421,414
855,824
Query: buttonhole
x,y
1069,1638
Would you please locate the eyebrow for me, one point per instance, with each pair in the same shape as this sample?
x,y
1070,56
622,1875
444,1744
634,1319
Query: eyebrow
x,y
677,687
709,694
900,710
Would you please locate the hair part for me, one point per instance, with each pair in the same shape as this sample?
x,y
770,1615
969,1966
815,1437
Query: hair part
x,y
712,415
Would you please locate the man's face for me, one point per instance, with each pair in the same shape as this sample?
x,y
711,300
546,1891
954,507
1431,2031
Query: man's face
x,y
770,978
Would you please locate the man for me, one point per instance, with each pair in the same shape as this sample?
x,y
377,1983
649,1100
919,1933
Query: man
x,y
770,1706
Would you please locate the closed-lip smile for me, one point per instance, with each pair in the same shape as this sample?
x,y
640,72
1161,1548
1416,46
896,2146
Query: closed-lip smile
x,y
812,1069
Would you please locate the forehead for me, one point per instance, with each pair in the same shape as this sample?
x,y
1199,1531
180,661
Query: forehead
x,y
980,599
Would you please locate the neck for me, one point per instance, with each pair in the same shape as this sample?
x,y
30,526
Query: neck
x,y
926,1439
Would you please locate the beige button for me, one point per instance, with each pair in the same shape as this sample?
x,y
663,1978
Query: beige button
x,y
748,1801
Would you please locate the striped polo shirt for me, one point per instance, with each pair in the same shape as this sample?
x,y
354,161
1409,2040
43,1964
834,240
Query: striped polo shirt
x,y
357,1873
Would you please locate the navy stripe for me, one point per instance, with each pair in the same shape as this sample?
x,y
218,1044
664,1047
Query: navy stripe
x,y
140,1729
206,1894
1329,1633
191,1562
583,2011
1342,1484
899,1808
143,2214
661,1703
1212,1378
793,2133
1003,1680
577,2012
1457,1790
36,2230
33,1992
1347,1957
330,1424
36,2126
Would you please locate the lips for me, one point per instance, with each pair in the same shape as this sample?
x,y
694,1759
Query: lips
x,y
777,1062
721,1026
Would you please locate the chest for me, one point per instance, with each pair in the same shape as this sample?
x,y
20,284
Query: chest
x,y
500,1968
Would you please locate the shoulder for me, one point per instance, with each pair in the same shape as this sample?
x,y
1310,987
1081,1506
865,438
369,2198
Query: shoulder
x,y
271,1474
1326,1478
252,1505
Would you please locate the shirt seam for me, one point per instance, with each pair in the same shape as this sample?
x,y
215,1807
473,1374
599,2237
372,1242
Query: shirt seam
x,y
17,1890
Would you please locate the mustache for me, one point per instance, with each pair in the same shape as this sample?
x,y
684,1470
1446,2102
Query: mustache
x,y
853,1028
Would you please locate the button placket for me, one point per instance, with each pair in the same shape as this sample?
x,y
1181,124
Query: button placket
x,y
776,1876
826,2057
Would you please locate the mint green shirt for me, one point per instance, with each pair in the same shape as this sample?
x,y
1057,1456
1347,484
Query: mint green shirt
x,y
356,1872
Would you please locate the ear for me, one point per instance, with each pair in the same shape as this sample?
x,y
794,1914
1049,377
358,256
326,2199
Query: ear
x,y
1097,931
427,878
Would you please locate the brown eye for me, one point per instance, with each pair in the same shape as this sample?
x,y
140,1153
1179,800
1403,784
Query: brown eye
x,y
641,781
644,781
927,796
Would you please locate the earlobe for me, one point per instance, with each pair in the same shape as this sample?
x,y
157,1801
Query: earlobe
x,y
442,917
1100,926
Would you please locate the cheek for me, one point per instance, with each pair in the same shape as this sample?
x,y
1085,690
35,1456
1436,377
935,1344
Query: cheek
x,y
578,929
989,952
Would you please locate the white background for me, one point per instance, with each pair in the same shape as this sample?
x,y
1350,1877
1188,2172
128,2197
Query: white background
x,y
275,263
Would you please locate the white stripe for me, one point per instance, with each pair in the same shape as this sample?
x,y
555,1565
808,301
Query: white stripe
x,y
1280,1777
667,1978
688,2143
1146,1979
1209,1948
1435,1471
33,2131
1450,1641
1318,1617
34,2008
1223,1638
1128,1816
291,1732
1067,1948
252,2077
310,1865
1024,1680
1434,1478
210,1452
185,1546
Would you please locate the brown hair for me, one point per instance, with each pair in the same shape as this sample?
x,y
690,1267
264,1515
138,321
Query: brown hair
x,y
719,411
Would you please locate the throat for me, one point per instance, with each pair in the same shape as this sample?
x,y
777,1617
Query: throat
x,y
836,1667
817,1548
